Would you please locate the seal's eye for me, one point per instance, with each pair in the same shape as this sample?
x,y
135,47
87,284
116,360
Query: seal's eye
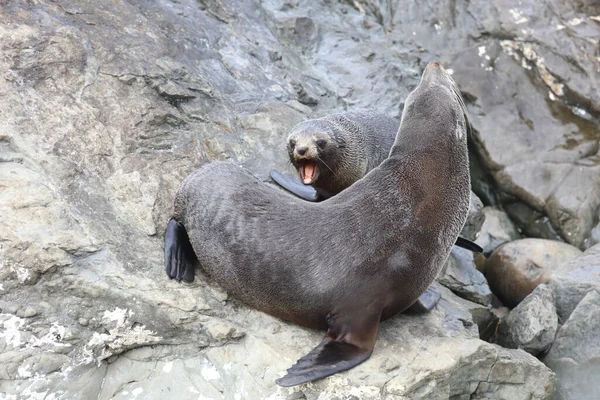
x,y
321,143
292,143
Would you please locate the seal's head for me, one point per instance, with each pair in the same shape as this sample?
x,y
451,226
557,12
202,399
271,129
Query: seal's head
x,y
310,146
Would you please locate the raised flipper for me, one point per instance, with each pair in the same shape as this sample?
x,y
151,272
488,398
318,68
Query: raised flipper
x,y
467,244
349,341
180,259
294,185
426,302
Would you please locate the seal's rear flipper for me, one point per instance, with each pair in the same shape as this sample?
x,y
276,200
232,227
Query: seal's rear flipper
x,y
180,259
294,185
426,302
348,342
469,245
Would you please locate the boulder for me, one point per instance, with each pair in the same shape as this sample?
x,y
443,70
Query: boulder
x,y
532,324
573,281
575,354
516,268
497,229
462,277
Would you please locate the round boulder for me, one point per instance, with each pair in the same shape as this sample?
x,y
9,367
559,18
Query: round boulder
x,y
516,268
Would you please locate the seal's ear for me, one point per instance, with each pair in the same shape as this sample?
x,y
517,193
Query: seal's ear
x,y
349,342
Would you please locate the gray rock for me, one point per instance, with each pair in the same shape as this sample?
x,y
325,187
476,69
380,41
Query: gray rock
x,y
475,218
532,324
574,280
575,354
516,268
497,229
461,276
107,106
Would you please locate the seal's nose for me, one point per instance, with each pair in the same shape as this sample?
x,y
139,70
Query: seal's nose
x,y
434,64
301,150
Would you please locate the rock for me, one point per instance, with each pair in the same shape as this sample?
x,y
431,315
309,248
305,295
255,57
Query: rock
x,y
574,280
575,354
532,324
475,218
105,108
516,268
497,229
461,276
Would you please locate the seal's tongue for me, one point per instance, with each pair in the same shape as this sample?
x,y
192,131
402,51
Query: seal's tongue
x,y
309,171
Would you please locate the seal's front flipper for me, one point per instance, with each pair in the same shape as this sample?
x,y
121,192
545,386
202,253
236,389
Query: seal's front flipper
x,y
293,185
180,259
426,302
349,341
469,245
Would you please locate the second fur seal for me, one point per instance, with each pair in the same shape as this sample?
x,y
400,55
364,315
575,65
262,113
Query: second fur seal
x,y
374,248
333,152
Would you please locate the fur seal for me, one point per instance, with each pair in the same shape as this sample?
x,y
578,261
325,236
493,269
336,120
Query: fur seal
x,y
373,248
333,152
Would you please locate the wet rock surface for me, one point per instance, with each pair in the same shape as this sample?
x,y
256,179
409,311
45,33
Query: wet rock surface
x,y
106,106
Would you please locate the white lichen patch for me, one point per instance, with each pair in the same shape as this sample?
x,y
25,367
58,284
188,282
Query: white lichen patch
x,y
517,16
121,336
595,18
118,315
168,367
24,370
551,95
210,373
10,332
560,27
575,21
137,391
530,58
54,337
481,51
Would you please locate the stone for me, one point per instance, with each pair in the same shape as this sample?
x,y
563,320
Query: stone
x,y
532,324
106,106
575,354
475,218
574,280
516,268
497,229
461,276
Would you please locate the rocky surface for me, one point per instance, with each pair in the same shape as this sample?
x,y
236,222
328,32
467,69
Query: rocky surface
x,y
516,268
575,355
573,281
105,106
496,229
532,324
461,276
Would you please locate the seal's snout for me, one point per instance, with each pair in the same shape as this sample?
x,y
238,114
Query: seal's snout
x,y
301,150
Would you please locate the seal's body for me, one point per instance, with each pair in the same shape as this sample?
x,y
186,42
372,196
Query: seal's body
x,y
343,264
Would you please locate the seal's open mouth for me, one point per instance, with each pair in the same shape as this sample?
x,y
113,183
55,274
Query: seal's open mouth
x,y
309,172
